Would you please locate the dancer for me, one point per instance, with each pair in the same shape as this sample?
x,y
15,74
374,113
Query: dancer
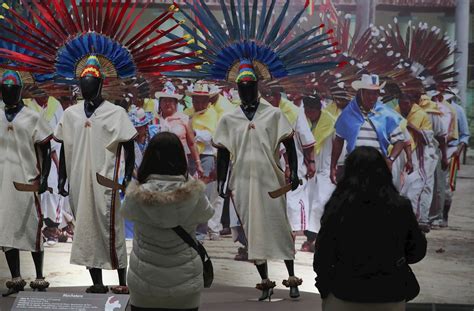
x,y
25,157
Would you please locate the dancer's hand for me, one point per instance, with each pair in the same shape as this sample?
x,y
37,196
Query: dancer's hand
x,y
334,175
409,167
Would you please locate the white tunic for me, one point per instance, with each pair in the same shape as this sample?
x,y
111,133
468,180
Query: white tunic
x,y
20,212
92,146
254,149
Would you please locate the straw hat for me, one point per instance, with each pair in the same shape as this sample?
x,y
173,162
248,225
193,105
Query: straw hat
x,y
169,91
202,89
368,82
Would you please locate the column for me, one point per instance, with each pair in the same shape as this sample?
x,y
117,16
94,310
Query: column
x,y
462,38
365,14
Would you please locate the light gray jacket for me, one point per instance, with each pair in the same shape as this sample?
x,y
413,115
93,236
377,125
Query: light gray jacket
x,y
164,271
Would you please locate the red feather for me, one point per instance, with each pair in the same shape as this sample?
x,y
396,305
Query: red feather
x,y
130,27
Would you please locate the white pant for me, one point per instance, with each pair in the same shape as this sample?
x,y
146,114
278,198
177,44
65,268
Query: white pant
x,y
397,170
321,190
52,203
418,187
298,207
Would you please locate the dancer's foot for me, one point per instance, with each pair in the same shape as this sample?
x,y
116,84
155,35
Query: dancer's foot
x,y
307,246
293,282
242,254
120,290
14,286
267,289
39,285
225,231
97,289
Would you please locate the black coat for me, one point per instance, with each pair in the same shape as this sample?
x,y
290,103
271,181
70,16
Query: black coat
x,y
358,247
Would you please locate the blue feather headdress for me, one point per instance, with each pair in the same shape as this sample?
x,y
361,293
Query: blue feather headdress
x,y
57,40
249,36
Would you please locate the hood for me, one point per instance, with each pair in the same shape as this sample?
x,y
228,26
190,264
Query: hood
x,y
163,201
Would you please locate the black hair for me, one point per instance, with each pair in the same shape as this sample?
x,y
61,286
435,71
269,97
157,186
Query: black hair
x,y
313,101
367,180
164,156
407,96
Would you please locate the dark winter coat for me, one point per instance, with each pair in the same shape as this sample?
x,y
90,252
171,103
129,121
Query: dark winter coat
x,y
358,248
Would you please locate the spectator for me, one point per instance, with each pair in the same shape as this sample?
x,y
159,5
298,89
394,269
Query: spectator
x,y
165,273
369,235
170,120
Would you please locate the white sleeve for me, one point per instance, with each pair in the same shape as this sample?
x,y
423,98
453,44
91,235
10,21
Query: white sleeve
x,y
407,135
438,128
397,135
203,136
304,132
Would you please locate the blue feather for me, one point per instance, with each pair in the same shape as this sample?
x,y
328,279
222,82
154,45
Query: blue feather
x,y
228,22
277,25
80,47
296,40
254,19
285,33
267,21
237,25
302,46
247,19
262,20
306,68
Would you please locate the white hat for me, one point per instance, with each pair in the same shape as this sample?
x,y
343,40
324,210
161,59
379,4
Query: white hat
x,y
202,89
451,92
368,82
169,91
432,93
139,116
448,96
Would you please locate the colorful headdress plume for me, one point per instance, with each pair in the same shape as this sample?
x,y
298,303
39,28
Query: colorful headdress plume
x,y
11,77
59,38
246,72
92,68
254,37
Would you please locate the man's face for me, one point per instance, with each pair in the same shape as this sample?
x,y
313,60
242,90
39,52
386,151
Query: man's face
x,y
405,106
369,98
272,97
312,113
200,102
141,130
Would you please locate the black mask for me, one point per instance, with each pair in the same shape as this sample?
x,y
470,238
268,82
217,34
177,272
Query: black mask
x,y
91,88
11,94
248,92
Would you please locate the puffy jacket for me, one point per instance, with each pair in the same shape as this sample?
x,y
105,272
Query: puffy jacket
x,y
164,271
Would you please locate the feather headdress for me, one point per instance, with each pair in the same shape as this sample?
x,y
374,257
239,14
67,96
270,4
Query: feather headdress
x,y
251,37
417,59
59,39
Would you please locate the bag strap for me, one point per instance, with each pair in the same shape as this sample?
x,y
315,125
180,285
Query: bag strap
x,y
191,242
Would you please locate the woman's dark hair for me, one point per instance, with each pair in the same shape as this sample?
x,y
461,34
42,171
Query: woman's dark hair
x,y
164,156
366,180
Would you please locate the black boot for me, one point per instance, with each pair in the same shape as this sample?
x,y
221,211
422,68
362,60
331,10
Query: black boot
x,y
267,289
